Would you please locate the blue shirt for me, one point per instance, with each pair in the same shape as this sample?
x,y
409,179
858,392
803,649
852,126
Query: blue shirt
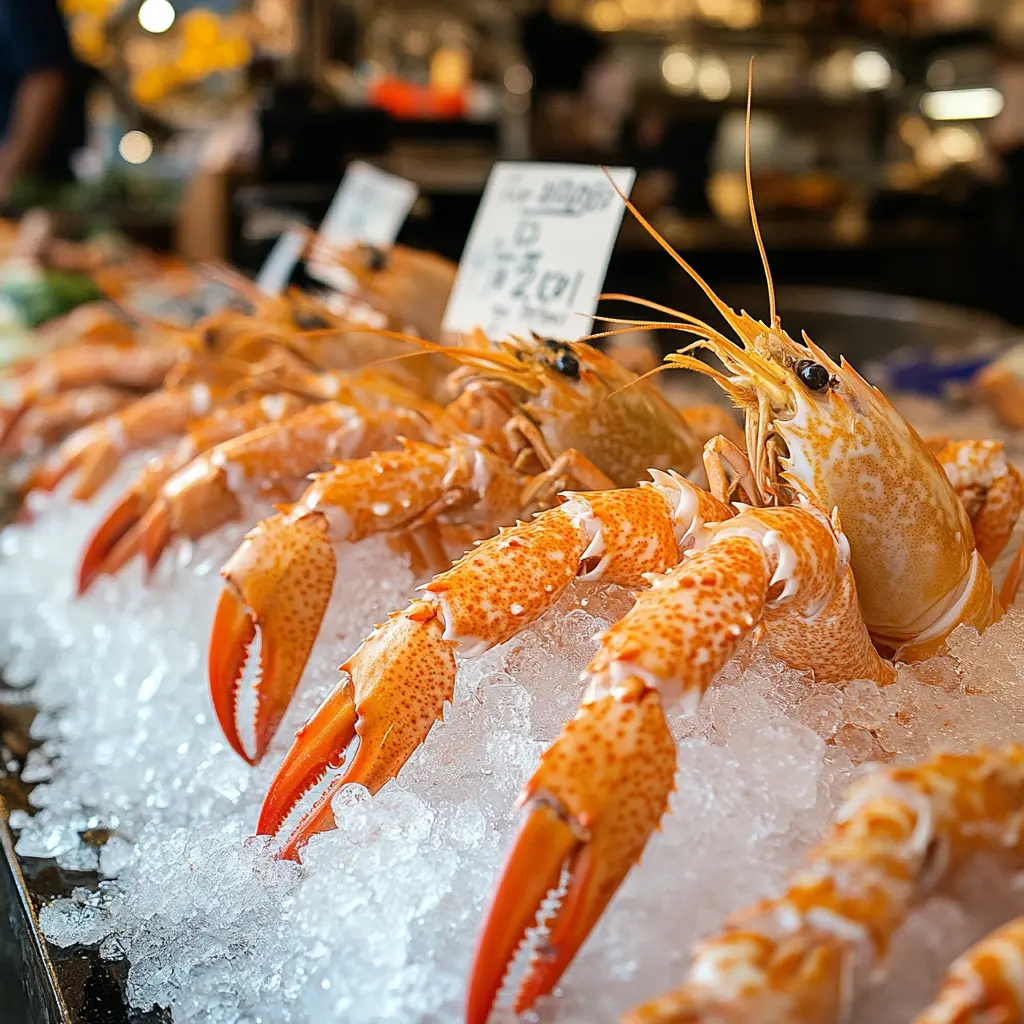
x,y
33,38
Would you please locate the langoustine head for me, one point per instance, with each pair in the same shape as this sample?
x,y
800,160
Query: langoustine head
x,y
576,397
817,430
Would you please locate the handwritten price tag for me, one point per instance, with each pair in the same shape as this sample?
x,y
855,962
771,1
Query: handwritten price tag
x,y
538,251
369,208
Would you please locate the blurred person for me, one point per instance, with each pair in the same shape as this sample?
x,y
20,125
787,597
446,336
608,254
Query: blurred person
x,y
42,95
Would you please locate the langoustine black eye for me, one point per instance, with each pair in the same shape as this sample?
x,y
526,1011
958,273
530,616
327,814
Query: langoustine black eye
x,y
569,365
376,259
565,362
813,374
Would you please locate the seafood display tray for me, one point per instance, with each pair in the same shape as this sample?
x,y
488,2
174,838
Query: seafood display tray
x,y
39,983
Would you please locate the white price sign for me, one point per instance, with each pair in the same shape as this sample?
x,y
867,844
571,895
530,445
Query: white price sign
x,y
280,262
538,251
369,208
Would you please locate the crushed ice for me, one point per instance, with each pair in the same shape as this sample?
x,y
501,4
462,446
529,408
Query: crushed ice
x,y
378,923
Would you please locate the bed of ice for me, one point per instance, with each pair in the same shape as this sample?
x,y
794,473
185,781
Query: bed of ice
x,y
379,922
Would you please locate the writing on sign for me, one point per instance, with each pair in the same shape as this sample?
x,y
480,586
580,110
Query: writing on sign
x,y
369,208
277,268
538,250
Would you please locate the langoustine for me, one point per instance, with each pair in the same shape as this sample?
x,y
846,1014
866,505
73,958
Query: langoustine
x,y
901,833
851,545
532,415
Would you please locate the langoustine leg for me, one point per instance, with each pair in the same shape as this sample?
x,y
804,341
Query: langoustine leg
x,y
900,832
216,428
984,984
280,580
603,786
396,684
269,461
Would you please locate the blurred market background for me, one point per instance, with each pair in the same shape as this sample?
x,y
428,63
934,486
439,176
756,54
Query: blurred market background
x,y
887,135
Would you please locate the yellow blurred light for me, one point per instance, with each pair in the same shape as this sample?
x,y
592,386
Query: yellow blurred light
x,y
88,39
743,14
958,145
606,15
716,10
713,79
870,71
234,54
200,27
962,104
156,16
135,147
449,70
679,70
194,65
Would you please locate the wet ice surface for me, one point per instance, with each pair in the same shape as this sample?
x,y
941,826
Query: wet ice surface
x,y
379,922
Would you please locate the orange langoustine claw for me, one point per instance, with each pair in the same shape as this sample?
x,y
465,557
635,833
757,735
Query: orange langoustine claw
x,y
868,552
100,554
532,415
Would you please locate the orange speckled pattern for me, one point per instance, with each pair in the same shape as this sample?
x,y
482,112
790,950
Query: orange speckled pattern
x,y
510,580
835,646
391,490
684,629
984,984
400,678
609,776
990,488
819,626
403,674
636,529
899,833
283,574
272,460
382,492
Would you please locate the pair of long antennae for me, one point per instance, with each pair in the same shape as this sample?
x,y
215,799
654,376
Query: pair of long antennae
x,y
726,312
690,323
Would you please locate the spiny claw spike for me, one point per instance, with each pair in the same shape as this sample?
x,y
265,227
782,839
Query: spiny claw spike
x,y
568,931
544,842
400,679
283,574
320,818
607,779
318,744
96,559
155,534
233,632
